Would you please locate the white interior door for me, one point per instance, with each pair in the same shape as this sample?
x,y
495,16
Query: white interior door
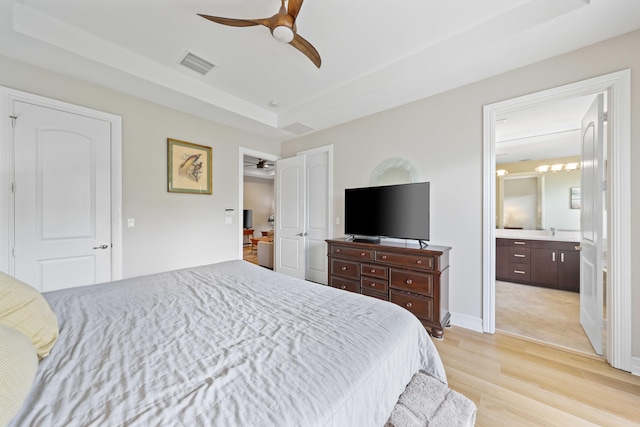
x,y
62,199
317,217
290,227
591,224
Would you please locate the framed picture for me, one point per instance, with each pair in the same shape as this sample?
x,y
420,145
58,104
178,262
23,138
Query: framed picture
x,y
188,167
575,197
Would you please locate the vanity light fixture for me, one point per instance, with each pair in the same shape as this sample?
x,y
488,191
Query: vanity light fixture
x,y
542,169
570,167
557,168
501,172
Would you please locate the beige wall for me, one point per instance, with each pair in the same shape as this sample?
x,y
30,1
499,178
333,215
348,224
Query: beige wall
x,y
172,230
442,136
259,196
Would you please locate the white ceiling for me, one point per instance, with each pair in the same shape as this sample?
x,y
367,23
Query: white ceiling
x,y
375,55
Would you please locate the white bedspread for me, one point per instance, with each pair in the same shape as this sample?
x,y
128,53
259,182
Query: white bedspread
x,y
229,344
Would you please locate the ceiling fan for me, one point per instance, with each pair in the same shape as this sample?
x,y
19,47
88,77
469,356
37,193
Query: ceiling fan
x,y
261,164
282,26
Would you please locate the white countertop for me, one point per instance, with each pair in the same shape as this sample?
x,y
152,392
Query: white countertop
x,y
560,236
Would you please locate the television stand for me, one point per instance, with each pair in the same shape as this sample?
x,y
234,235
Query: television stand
x,y
405,274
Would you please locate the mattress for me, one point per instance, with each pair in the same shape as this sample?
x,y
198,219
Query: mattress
x,y
228,344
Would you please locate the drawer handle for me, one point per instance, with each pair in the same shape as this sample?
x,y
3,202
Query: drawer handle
x,y
343,287
408,281
384,257
561,256
519,255
519,271
338,250
373,285
363,254
419,261
344,268
409,305
373,270
519,243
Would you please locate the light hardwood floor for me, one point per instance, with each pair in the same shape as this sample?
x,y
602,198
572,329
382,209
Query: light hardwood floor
x,y
515,382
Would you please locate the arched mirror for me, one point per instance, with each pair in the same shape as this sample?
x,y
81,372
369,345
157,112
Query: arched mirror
x,y
395,170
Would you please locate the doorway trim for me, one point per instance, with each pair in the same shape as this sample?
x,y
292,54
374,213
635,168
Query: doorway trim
x,y
618,87
7,97
242,151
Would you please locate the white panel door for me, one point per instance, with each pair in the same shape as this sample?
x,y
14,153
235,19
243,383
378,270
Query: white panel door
x,y
317,179
62,199
591,224
290,217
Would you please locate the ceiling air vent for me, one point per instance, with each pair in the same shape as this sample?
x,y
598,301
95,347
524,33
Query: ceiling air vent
x,y
197,64
298,128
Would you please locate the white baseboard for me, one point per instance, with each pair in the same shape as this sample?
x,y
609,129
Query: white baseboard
x,y
635,365
467,322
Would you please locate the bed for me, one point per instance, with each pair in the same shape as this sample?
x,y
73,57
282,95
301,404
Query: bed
x,y
228,344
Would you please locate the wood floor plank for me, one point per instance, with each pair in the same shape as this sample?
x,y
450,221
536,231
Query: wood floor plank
x,y
516,382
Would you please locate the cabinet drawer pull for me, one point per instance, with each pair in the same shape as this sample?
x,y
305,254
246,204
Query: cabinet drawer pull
x,y
519,272
519,256
561,256
373,270
343,287
338,250
363,254
419,261
384,257
373,285
409,305
408,281
519,243
553,256
344,268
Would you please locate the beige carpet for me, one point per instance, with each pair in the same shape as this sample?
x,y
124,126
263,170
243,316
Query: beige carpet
x,y
543,314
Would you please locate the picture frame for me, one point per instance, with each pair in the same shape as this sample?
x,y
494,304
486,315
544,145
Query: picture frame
x,y
574,198
188,167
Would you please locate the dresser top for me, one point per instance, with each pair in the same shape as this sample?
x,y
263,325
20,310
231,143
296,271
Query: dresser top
x,y
407,244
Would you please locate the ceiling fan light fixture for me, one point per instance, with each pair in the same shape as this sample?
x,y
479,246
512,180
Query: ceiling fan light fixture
x,y
283,34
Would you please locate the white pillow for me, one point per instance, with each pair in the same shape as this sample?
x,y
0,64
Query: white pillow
x,y
17,371
25,309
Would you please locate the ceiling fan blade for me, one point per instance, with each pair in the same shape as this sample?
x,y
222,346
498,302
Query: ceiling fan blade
x,y
294,8
236,22
305,47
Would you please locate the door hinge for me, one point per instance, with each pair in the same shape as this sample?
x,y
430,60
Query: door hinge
x,y
604,185
13,252
605,117
13,120
14,187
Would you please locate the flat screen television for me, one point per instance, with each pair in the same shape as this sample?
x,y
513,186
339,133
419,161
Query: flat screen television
x,y
247,218
398,211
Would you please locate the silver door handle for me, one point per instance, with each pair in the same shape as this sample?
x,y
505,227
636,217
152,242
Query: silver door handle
x,y
101,247
578,248
302,234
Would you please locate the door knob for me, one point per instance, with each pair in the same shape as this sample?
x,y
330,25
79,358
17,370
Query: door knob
x,y
101,247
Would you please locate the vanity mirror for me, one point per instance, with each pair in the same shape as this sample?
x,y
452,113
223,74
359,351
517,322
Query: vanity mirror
x,y
395,170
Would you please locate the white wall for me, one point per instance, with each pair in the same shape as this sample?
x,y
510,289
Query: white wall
x,y
172,230
442,136
259,196
557,206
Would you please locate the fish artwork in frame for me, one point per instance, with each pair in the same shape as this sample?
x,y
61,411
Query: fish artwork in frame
x,y
188,167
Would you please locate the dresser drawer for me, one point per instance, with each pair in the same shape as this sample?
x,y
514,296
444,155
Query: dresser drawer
x,y
375,294
411,281
420,306
347,285
519,255
373,284
519,271
348,269
347,251
410,260
374,271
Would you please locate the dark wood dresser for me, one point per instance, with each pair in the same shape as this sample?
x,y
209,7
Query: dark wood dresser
x,y
414,278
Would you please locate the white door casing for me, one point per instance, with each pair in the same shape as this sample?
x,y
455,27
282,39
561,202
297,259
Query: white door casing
x,y
290,224
591,225
62,198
